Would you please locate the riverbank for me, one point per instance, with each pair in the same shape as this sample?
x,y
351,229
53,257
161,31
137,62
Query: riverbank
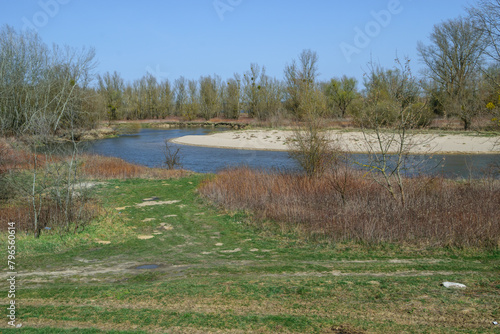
x,y
110,130
353,141
162,260
178,122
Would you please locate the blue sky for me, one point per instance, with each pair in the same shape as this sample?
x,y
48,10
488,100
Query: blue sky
x,y
200,37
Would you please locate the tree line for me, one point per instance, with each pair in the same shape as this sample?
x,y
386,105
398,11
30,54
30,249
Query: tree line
x,y
52,88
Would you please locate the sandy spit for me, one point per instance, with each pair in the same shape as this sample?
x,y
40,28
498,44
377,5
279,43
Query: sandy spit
x,y
276,140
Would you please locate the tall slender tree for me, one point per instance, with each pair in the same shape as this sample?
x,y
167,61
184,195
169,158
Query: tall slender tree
x,y
453,59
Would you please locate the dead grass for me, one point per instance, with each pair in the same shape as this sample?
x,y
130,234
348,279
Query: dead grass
x,y
480,123
50,215
99,167
19,159
439,212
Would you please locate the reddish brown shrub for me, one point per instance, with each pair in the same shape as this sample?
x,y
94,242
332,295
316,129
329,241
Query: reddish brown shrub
x,y
11,158
99,167
50,215
438,212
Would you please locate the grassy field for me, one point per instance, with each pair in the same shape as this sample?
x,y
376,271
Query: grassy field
x,y
160,259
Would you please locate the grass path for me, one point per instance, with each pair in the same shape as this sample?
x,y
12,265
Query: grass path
x,y
210,271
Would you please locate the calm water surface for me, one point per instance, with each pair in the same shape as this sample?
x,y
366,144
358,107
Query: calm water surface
x,y
145,148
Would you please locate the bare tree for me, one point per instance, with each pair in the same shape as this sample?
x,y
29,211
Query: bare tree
x,y
181,96
166,96
454,56
392,109
172,156
232,97
486,17
44,93
271,97
252,96
193,105
151,94
302,90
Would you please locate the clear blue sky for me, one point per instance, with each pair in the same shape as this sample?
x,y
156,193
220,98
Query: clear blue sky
x,y
170,38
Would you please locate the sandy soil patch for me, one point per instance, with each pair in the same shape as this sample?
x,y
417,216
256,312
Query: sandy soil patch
x,y
231,250
166,226
151,203
145,237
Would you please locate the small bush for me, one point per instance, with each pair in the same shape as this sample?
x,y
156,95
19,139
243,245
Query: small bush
x,y
172,156
311,147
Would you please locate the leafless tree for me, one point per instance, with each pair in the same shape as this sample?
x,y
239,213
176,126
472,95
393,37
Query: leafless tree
x,y
271,98
252,91
43,95
302,90
166,96
172,156
486,16
453,58
232,97
312,148
151,94
392,109
181,95
193,104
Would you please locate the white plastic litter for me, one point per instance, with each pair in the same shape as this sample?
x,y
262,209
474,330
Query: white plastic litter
x,y
453,285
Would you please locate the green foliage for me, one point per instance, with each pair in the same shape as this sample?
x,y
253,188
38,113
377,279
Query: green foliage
x,y
341,93
232,96
383,113
421,114
209,97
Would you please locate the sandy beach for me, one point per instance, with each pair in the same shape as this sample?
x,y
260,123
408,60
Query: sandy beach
x,y
276,140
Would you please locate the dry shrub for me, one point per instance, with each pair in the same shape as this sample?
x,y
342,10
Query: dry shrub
x,y
12,158
439,212
51,215
110,168
99,167
51,212
93,166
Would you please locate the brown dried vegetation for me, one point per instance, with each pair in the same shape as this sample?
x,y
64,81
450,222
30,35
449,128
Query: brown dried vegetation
x,y
14,207
438,212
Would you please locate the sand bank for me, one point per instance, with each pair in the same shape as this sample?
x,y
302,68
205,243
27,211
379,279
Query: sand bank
x,y
276,140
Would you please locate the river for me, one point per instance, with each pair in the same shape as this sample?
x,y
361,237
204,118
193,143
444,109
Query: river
x,y
145,147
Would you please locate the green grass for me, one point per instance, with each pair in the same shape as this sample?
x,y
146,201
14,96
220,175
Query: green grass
x,y
221,272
